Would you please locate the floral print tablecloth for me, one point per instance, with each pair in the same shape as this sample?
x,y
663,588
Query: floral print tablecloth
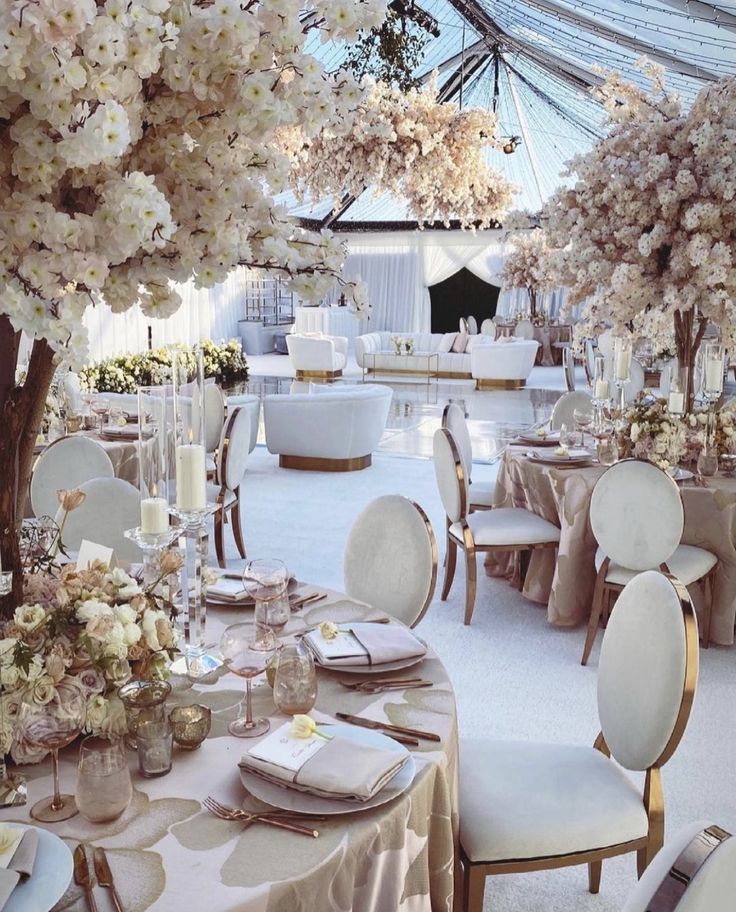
x,y
168,854
566,581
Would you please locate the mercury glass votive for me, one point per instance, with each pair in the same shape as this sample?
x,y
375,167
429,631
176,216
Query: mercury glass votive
x,y
155,742
144,701
191,725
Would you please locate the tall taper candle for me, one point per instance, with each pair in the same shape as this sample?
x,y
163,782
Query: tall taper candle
x,y
191,477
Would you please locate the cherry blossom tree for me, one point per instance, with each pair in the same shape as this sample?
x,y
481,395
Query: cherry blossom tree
x,y
529,265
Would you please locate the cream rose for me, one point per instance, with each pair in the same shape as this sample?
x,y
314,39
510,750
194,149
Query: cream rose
x,y
28,617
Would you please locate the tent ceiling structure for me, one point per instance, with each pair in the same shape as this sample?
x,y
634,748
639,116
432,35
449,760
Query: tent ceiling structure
x,y
534,62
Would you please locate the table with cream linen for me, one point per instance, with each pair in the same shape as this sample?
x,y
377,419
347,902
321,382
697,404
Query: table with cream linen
x,y
168,853
565,580
547,335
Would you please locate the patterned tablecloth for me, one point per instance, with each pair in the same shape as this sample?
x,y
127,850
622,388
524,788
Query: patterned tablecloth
x,y
168,854
566,582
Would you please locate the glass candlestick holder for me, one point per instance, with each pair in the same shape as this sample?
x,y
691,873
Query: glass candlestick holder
x,y
152,545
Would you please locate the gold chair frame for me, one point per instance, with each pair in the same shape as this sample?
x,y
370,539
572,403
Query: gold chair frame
x,y
471,508
470,548
604,601
232,508
471,887
435,562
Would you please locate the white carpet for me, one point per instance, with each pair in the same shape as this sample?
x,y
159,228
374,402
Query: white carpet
x,y
515,676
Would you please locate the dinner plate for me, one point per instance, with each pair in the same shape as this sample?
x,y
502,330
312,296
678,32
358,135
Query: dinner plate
x,y
289,799
248,602
550,439
372,669
52,874
573,457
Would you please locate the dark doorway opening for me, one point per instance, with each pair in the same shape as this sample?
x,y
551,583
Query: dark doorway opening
x,y
462,295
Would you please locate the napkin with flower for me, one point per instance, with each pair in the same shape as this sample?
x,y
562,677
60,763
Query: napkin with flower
x,y
17,856
363,644
304,756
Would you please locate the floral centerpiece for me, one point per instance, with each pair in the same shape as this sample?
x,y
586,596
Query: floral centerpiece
x,y
529,265
81,632
650,432
402,345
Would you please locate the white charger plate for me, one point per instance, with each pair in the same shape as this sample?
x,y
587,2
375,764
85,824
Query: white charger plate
x,y
372,669
52,874
289,799
575,457
550,439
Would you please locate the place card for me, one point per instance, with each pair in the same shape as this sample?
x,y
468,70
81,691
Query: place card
x,y
282,749
343,646
91,551
232,590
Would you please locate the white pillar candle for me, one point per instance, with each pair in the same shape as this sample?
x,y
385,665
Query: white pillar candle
x,y
601,389
191,477
622,363
676,402
154,515
713,375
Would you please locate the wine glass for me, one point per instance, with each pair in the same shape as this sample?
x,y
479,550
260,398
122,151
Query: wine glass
x,y
88,397
246,650
101,408
266,581
52,726
565,435
583,419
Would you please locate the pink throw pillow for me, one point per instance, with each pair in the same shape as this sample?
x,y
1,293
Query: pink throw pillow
x,y
461,340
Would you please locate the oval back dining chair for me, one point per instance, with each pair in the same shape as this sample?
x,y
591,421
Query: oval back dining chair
x,y
472,325
390,558
568,366
589,361
110,507
694,872
526,806
637,518
524,329
66,463
488,327
501,529
232,460
480,494
565,407
214,415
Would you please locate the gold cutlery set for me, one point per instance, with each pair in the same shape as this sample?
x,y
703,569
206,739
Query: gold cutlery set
x,y
83,877
280,819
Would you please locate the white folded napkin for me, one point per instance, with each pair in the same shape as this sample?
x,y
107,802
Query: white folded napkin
x,y
228,590
19,865
365,644
338,768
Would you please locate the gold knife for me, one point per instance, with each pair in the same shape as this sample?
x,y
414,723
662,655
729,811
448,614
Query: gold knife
x,y
81,875
387,727
104,876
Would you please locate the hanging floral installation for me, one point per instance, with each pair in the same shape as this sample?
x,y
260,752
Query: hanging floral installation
x,y
529,265
645,235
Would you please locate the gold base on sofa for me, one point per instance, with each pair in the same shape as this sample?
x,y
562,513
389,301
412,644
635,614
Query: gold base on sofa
x,y
437,375
322,464
489,384
325,376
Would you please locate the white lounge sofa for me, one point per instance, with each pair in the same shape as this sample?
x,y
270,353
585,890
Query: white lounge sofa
x,y
503,365
317,357
333,430
448,364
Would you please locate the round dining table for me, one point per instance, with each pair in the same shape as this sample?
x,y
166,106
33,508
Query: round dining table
x,y
564,580
169,854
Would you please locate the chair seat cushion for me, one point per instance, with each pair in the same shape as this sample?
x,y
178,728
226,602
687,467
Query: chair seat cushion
x,y
213,491
688,564
481,493
508,526
523,800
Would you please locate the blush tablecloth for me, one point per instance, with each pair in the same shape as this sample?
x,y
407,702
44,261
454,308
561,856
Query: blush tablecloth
x,y
168,854
547,336
566,581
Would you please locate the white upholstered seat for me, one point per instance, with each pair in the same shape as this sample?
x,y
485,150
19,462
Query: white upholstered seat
x,y
504,365
66,463
688,563
574,799
110,507
390,558
507,526
527,806
317,356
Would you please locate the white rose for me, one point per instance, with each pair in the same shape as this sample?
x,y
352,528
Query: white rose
x,y
634,432
96,713
131,634
27,617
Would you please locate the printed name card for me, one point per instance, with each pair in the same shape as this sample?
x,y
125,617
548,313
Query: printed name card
x,y
282,749
91,551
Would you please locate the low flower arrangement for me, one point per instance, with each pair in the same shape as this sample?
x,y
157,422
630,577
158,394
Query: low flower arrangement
x,y
81,632
402,345
224,361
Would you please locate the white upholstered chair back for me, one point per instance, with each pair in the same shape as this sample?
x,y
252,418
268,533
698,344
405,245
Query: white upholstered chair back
x,y
524,329
488,327
472,325
589,361
390,558
568,364
233,449
565,406
214,415
66,464
110,507
713,887
636,514
448,470
453,418
463,325
648,671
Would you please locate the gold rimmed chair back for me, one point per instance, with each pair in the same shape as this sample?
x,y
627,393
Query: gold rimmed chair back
x,y
568,365
637,518
480,493
110,506
526,806
232,460
66,463
564,408
501,529
390,558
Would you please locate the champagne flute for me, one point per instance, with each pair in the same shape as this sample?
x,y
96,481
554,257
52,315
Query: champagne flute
x,y
52,726
246,650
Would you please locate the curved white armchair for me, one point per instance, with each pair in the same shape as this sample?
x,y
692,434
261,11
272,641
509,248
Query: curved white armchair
x,y
335,431
110,507
503,365
66,463
526,806
316,356
390,558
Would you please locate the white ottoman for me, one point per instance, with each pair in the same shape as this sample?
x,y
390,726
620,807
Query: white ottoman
x,y
503,365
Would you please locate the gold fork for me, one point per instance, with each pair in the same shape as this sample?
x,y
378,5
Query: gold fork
x,y
226,813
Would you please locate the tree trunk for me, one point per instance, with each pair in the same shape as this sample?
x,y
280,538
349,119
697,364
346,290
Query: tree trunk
x,y
532,301
687,346
21,413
